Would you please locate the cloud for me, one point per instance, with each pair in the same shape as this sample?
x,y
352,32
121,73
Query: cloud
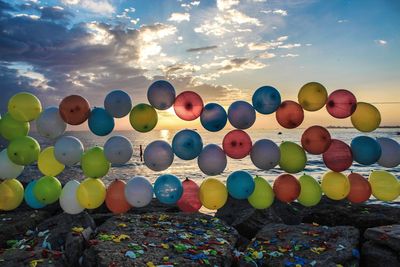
x,y
266,55
226,4
95,6
289,46
263,46
290,55
342,21
381,42
55,13
280,12
179,17
204,48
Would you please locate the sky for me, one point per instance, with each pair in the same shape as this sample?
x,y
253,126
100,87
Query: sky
x,y
223,50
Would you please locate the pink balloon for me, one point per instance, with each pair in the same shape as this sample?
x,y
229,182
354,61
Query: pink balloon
x,y
289,114
341,104
338,157
190,200
237,144
188,105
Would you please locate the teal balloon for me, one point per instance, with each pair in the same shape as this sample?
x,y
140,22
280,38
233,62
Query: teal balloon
x,y
168,189
101,122
187,144
366,150
30,198
240,184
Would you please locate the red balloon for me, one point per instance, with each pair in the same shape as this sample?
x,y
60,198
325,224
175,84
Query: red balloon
x,y
286,188
341,104
338,157
74,109
115,197
316,140
289,114
237,144
190,200
360,189
188,106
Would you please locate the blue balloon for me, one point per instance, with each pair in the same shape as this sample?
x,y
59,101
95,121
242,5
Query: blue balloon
x,y
266,99
30,198
118,103
241,115
366,150
168,189
187,144
213,118
101,122
161,95
240,184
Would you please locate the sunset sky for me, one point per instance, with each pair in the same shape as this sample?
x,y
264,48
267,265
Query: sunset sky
x,y
223,50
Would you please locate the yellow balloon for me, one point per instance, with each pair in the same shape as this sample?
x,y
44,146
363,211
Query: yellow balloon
x,y
366,118
335,185
11,194
310,193
48,164
312,96
143,118
263,195
91,193
24,107
213,194
384,185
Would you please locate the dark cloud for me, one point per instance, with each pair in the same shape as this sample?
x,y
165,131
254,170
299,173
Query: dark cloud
x,y
55,13
199,49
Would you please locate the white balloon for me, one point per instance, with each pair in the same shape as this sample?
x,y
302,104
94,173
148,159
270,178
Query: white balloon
x,y
68,200
138,192
265,154
8,169
118,149
158,155
118,103
68,150
50,124
212,160
390,156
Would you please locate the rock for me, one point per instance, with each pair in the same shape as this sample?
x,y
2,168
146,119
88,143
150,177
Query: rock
x,y
18,258
375,255
160,238
388,235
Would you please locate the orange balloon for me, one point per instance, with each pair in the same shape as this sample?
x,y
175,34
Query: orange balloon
x,y
316,140
115,197
289,114
286,188
360,189
74,109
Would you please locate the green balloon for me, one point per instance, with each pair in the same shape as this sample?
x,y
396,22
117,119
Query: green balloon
x,y
293,158
263,195
94,163
11,128
23,150
310,193
47,189
143,118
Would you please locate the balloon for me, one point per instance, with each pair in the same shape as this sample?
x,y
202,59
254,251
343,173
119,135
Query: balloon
x,y
187,144
24,107
213,118
338,157
265,154
213,194
360,189
115,197
390,156
11,128
138,192
68,150
118,103
50,124
241,115
266,99
11,194
188,106
293,158
237,144
74,109
30,198
212,160
316,140
190,201
47,189
23,150
310,192
366,118
91,193
118,149
341,103
263,195
312,96
68,198
168,189
161,95
94,163
289,114
240,184
335,185
366,150
101,122
158,155
384,185
286,188
8,169
48,164
143,118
